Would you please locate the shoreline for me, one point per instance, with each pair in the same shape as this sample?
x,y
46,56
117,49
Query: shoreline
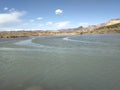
x,y
53,34
17,34
106,28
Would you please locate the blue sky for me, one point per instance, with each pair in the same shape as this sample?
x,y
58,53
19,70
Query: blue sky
x,y
55,14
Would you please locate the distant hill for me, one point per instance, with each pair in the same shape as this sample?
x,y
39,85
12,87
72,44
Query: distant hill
x,y
115,28
112,26
112,22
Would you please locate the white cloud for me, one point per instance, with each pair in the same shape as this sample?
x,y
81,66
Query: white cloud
x,y
57,25
11,17
6,8
62,24
85,24
12,10
58,11
39,18
32,20
40,25
49,23
11,20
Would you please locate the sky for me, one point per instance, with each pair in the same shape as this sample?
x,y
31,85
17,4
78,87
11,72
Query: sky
x,y
55,14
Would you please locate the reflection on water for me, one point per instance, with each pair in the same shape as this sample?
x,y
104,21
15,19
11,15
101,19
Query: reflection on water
x,y
86,62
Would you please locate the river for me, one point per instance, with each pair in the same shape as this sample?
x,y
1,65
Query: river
x,y
82,62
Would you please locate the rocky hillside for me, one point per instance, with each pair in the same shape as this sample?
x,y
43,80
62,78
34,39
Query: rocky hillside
x,y
115,28
112,22
112,26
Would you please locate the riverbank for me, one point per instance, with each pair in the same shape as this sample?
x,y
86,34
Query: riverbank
x,y
16,34
98,29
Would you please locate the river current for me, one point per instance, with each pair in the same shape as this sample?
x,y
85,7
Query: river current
x,y
83,62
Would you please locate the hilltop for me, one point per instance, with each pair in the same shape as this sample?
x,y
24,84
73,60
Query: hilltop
x,y
112,26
